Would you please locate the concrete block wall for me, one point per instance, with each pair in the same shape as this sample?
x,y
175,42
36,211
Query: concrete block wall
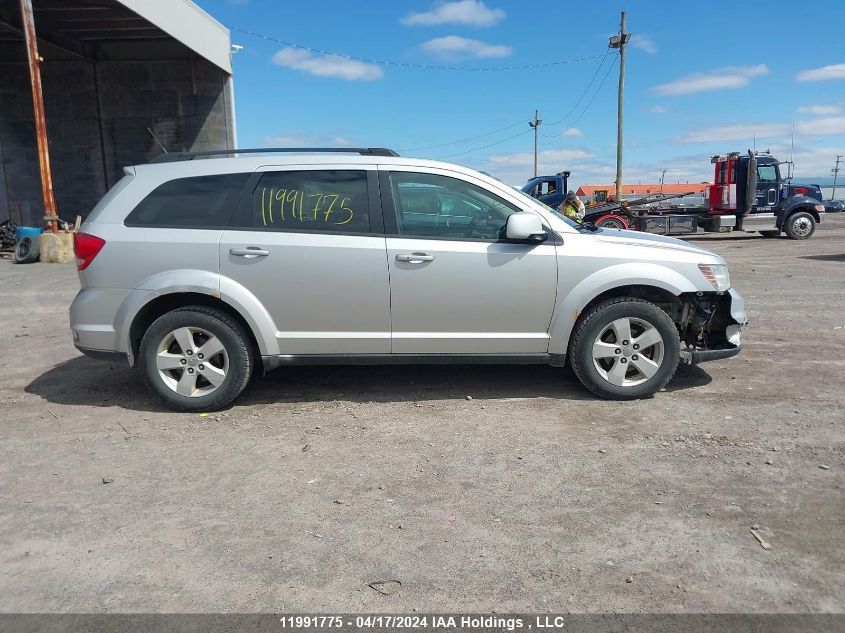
x,y
97,120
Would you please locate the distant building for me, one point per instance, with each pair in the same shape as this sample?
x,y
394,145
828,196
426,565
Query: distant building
x,y
600,193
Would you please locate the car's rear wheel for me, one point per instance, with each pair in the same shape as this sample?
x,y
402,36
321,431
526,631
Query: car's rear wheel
x,y
625,348
799,226
196,358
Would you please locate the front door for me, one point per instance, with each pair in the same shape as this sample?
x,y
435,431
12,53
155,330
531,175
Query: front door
x,y
456,286
310,247
768,183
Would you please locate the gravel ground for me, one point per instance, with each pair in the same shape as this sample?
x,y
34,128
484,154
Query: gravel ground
x,y
530,496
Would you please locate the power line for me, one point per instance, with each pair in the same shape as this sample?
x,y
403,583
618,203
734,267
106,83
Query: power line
x,y
509,127
504,140
583,94
385,62
593,98
469,151
463,140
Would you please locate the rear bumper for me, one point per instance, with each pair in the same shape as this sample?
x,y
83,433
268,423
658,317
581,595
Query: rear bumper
x,y
100,319
104,355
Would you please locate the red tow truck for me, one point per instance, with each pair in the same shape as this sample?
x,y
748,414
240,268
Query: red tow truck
x,y
748,194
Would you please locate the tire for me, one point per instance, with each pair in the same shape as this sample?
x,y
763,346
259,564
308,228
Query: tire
x,y
27,251
770,233
611,222
621,376
176,340
799,226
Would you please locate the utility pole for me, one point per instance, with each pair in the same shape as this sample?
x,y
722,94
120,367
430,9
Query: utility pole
x,y
835,171
535,124
662,176
34,59
619,41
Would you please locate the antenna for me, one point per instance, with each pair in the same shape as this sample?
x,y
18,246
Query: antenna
x,y
791,164
153,134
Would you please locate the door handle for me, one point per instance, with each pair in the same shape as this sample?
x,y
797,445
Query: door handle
x,y
250,252
414,258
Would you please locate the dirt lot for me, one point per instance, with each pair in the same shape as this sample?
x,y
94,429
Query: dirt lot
x,y
531,496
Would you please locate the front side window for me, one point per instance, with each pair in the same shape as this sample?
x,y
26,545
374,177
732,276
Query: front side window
x,y
316,201
767,173
429,205
548,188
199,202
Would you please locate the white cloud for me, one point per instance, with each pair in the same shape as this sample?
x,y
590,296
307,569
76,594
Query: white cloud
x,y
820,110
644,43
455,47
298,139
466,12
658,109
546,157
736,132
811,162
326,65
573,131
834,71
827,126
718,79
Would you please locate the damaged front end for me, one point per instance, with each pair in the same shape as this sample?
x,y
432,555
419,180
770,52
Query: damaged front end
x,y
710,325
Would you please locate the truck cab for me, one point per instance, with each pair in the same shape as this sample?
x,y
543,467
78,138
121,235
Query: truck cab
x,y
750,194
550,190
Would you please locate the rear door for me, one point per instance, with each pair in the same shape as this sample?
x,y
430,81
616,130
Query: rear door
x,y
456,286
308,243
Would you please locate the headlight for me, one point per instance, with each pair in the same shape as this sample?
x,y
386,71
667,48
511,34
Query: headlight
x,y
716,274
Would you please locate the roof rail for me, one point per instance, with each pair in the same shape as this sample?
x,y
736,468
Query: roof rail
x,y
171,157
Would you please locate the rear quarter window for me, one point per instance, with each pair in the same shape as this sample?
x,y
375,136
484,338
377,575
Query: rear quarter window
x,y
199,202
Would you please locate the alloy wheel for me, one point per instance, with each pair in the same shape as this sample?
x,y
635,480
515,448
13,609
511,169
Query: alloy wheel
x,y
192,361
628,351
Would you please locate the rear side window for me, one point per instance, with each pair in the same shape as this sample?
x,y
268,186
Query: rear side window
x,y
314,201
201,202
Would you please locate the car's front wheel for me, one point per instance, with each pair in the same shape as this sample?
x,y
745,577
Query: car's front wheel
x,y
196,358
625,348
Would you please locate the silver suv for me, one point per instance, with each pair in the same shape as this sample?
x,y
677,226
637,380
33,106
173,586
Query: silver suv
x,y
200,272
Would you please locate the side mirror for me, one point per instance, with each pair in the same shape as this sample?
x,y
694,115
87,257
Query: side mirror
x,y
525,227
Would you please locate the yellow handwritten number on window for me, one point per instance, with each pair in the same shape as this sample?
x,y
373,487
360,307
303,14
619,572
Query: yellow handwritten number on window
x,y
292,196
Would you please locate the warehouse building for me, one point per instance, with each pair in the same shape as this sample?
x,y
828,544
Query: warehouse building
x,y
121,80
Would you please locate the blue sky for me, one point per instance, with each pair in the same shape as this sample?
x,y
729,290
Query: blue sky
x,y
701,78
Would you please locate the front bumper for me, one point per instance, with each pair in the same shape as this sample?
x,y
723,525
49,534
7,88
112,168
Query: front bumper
x,y
735,322
693,357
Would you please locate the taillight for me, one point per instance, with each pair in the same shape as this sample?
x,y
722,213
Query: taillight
x,y
86,247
